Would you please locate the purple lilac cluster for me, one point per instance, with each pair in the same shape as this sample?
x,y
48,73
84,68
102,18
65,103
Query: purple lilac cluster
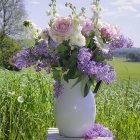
x,y
120,43
58,87
40,56
52,44
23,59
105,73
100,71
84,57
46,55
40,49
41,64
52,51
98,130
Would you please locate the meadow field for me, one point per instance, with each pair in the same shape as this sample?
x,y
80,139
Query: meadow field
x,y
26,104
126,70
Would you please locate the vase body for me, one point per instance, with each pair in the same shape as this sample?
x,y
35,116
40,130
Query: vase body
x,y
74,113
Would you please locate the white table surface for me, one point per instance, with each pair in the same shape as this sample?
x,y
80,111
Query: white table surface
x,y
53,134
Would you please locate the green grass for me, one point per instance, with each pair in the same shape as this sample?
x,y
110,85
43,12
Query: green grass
x,y
118,106
28,120
126,70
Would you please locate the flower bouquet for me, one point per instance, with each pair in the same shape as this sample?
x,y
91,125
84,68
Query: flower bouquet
x,y
73,47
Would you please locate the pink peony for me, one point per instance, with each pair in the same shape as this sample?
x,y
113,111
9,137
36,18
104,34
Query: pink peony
x,y
87,27
109,32
61,29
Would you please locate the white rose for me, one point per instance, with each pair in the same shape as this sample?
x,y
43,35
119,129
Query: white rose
x,y
78,40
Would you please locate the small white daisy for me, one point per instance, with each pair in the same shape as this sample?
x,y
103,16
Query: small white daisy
x,y
20,99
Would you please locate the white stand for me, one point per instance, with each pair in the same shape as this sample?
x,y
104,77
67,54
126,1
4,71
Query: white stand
x,y
53,134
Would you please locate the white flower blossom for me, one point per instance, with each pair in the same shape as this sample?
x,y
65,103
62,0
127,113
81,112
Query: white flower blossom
x,y
11,93
20,99
33,29
100,24
78,40
96,9
100,44
81,20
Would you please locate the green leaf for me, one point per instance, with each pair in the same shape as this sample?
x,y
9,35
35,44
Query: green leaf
x,y
92,81
66,78
57,73
71,73
62,48
98,56
84,81
87,41
73,59
86,90
78,80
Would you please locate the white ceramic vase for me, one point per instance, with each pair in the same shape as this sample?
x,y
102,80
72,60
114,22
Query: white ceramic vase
x,y
74,113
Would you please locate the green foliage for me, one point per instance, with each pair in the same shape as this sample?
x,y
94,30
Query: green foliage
x,y
57,73
68,61
85,84
98,57
86,90
96,52
8,48
26,23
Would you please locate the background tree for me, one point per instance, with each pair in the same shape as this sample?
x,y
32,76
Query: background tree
x,y
8,48
133,56
12,14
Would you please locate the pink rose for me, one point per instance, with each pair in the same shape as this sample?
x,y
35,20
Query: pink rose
x,y
61,29
87,27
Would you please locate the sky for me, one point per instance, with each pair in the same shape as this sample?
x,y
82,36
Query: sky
x,y
124,13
